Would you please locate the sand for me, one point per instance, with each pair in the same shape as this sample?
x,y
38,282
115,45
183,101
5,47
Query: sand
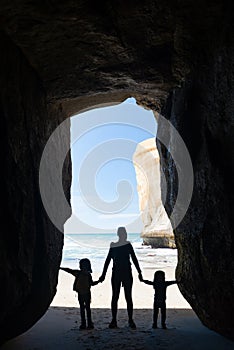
x,y
59,328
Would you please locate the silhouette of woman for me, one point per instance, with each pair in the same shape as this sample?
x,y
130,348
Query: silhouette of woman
x,y
120,252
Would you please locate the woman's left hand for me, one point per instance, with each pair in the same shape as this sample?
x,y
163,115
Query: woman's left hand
x,y
140,277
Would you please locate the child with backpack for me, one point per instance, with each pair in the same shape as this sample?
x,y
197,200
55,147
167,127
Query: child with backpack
x,y
160,286
82,285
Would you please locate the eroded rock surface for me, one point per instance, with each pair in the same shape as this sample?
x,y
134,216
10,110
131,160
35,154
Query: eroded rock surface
x,y
64,56
157,230
30,245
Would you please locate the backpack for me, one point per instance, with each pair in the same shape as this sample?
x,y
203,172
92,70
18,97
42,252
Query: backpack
x,y
82,282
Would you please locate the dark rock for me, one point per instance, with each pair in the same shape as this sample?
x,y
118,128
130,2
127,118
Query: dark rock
x,y
159,242
64,56
30,245
83,49
203,112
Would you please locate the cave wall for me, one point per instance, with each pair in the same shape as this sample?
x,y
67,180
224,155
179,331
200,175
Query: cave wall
x,y
202,110
84,48
30,246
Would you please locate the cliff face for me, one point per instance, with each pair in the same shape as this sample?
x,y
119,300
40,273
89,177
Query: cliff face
x,y
157,230
58,58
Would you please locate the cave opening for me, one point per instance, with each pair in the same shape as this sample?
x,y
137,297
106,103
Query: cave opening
x,y
116,182
179,57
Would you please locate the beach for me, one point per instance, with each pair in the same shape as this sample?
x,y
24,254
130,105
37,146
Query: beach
x,y
59,328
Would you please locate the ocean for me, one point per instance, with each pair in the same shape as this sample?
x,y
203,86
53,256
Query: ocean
x,y
95,247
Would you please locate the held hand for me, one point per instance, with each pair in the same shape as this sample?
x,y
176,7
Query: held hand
x,y
101,278
140,277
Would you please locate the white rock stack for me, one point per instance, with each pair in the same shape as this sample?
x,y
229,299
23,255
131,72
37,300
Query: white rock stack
x,y
157,230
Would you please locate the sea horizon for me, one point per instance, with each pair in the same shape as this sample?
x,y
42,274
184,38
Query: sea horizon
x,y
96,247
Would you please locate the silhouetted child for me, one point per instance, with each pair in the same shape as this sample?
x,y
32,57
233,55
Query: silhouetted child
x,y
82,285
160,286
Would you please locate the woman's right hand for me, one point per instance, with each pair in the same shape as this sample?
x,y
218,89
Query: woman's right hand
x,y
101,278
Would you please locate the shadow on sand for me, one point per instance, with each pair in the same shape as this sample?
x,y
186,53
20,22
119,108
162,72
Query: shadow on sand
x,y
59,329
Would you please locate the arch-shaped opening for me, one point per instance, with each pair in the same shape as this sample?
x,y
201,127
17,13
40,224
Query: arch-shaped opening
x,y
109,145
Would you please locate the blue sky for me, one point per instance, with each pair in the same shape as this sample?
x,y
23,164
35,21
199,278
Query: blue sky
x,y
104,189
